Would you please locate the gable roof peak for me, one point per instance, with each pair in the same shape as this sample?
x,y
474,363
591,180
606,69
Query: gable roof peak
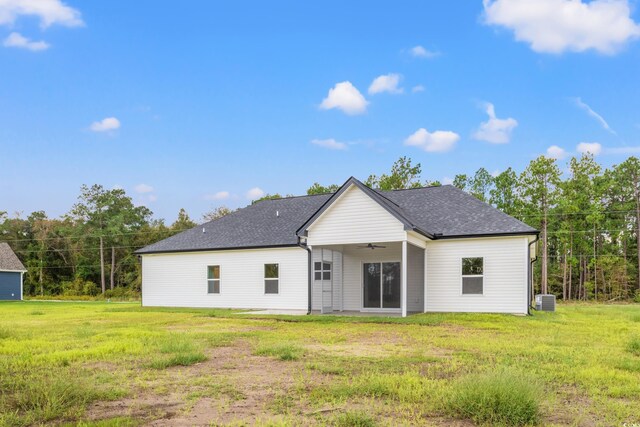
x,y
8,259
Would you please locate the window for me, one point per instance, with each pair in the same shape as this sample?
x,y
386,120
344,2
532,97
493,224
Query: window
x,y
472,276
271,278
213,279
322,270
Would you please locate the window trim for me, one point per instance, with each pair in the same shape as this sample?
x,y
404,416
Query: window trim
x,y
265,278
322,271
214,280
462,276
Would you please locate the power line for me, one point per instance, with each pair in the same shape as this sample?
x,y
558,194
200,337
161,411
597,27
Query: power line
x,y
77,266
96,236
106,247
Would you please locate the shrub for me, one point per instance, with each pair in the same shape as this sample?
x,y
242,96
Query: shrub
x,y
79,287
634,346
497,398
121,293
90,288
636,297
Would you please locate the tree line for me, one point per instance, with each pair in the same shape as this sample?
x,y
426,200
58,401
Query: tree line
x,y
588,216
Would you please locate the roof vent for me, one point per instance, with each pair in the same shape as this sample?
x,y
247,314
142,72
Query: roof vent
x,y
204,230
277,213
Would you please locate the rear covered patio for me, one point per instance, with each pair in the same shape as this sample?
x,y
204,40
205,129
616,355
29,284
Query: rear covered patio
x,y
374,277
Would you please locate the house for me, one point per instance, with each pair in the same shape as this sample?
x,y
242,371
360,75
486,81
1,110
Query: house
x,y
11,274
432,249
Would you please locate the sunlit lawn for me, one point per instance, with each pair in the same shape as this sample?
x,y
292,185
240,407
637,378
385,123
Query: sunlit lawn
x,y
120,364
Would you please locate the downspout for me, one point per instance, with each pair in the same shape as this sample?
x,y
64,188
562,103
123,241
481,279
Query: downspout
x,y
530,273
309,263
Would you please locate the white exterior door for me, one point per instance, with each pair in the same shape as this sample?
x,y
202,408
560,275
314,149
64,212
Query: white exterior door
x,y
323,274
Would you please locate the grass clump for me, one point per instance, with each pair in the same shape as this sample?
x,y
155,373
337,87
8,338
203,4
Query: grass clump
x,y
498,398
5,333
353,419
282,351
409,387
182,359
43,396
180,350
634,346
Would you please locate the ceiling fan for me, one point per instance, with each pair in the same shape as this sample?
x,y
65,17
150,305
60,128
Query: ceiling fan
x,y
370,246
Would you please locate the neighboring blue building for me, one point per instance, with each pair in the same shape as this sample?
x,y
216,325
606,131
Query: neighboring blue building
x,y
11,272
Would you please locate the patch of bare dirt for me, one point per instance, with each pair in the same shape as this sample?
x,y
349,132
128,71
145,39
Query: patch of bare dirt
x,y
232,386
378,345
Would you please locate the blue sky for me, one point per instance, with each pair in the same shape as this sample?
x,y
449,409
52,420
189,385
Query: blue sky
x,y
194,104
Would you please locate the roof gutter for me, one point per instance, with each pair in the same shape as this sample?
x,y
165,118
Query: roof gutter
x,y
309,263
439,236
530,273
143,252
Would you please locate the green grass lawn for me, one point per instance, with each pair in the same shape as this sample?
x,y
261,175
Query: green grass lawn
x,y
113,364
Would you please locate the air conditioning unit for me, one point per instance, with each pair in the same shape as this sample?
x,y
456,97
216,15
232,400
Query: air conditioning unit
x,y
545,302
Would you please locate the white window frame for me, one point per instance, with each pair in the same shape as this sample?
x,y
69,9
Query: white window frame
x,y
322,271
462,276
214,280
276,279
361,275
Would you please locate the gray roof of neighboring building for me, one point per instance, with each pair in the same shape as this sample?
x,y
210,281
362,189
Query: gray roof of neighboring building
x,y
438,212
8,259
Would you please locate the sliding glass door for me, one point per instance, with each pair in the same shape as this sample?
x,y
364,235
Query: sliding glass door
x,y
381,285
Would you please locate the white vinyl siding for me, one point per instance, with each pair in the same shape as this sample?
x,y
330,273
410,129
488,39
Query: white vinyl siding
x,y
180,279
504,275
355,218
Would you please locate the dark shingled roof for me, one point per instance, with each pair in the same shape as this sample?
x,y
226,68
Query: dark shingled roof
x,y
266,223
8,259
443,212
451,212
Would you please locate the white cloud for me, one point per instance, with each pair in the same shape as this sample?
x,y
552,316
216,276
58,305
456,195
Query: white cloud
x,y
49,12
417,88
593,114
143,188
594,148
556,26
438,141
330,143
220,195
421,52
105,125
386,83
495,130
447,181
18,40
345,97
152,197
555,152
255,193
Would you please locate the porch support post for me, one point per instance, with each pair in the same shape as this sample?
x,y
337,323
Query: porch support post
x,y
424,296
403,278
